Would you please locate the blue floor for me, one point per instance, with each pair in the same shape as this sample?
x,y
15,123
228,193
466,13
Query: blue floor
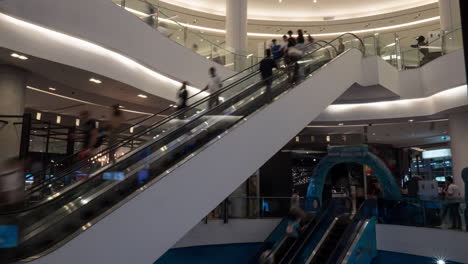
x,y
241,253
226,254
386,257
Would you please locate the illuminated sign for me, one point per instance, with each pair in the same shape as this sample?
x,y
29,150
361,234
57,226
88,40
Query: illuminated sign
x,y
437,153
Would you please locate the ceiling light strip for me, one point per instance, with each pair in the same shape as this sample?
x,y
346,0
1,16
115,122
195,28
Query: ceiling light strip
x,y
215,30
86,102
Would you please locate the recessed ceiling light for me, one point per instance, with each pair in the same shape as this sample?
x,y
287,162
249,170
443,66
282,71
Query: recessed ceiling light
x,y
38,116
52,88
77,122
142,96
95,80
18,56
411,120
59,119
341,124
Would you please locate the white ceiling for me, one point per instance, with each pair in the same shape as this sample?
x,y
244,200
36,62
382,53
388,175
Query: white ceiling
x,y
306,10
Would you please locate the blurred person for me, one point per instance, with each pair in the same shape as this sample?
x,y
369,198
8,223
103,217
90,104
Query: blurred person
x,y
291,39
452,193
413,186
341,46
276,50
213,86
90,136
182,96
310,39
300,36
284,46
12,183
294,55
195,48
266,70
113,130
295,200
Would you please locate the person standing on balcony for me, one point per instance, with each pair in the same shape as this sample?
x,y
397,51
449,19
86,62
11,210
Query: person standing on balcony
x,y
213,86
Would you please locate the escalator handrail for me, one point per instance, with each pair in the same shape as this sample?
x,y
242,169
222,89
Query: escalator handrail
x,y
322,216
349,233
189,108
329,207
177,113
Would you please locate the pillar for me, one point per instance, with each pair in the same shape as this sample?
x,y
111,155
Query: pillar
x,y
12,97
449,11
236,31
458,124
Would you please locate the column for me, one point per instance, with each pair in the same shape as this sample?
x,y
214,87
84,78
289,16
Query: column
x,y
458,124
450,20
236,31
449,11
12,96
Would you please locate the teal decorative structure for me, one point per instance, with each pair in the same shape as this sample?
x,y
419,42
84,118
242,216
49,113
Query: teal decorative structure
x,y
353,154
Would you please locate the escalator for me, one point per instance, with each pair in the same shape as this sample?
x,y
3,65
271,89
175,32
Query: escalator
x,y
138,207
337,241
282,248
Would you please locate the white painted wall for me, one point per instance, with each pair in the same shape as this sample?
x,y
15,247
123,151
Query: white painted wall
x,y
216,232
103,23
421,241
145,227
431,105
440,74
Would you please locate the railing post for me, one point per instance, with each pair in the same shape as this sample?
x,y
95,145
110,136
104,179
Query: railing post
x,y
443,44
25,134
398,52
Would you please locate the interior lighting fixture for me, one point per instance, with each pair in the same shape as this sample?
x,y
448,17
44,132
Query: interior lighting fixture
x,y
18,56
328,138
411,120
440,261
95,80
315,1
341,124
77,122
143,96
131,130
267,35
38,116
59,119
52,88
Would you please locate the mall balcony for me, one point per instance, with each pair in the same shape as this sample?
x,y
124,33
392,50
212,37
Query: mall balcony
x,y
147,131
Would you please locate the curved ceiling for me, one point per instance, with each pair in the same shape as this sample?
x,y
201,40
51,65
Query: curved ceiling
x,y
306,10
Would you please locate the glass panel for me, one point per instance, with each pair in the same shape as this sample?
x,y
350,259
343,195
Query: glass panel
x,y
179,28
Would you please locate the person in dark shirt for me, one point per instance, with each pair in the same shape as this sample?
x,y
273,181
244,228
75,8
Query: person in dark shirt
x,y
266,70
182,96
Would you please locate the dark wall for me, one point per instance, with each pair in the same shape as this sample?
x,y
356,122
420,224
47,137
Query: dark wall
x,y
275,176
